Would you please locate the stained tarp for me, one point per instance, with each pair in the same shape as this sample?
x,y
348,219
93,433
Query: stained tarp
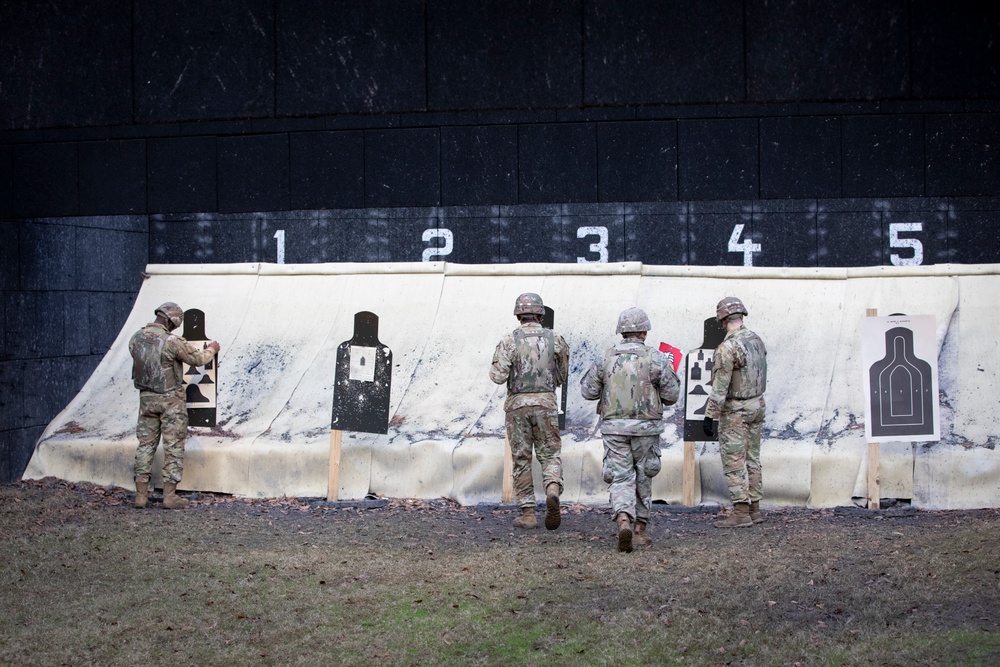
x,y
280,326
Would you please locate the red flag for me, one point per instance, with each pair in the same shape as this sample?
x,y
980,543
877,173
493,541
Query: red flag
x,y
673,354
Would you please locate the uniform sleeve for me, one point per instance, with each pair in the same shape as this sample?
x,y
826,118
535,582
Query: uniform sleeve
x,y
592,383
500,368
190,353
722,375
670,385
562,361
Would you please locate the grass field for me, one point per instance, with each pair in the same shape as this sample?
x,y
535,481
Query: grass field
x,y
85,579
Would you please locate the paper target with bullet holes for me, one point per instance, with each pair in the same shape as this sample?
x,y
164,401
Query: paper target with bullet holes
x,y
698,382
201,383
362,380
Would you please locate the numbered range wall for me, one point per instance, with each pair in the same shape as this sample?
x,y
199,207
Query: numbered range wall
x,y
280,328
776,233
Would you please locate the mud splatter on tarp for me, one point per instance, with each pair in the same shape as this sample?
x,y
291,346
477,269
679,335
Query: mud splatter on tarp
x,y
255,374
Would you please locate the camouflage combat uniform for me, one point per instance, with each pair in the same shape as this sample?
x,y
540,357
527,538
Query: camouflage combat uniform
x,y
739,378
633,383
533,361
157,372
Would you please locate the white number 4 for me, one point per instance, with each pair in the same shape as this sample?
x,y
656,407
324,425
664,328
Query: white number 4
x,y
748,247
895,242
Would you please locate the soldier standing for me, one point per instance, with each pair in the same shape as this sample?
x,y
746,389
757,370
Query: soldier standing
x,y
533,361
739,378
158,373
633,382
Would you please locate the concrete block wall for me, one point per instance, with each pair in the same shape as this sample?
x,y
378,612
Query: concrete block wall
x,y
394,130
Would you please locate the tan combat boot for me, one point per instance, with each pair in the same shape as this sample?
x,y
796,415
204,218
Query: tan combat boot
x,y
624,532
527,519
141,494
552,516
640,537
171,500
755,515
740,518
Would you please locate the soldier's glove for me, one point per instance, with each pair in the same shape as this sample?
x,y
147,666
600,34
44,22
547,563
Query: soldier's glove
x,y
709,427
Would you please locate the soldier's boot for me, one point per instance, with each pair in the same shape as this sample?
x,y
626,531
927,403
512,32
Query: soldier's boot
x,y
527,519
624,532
640,537
740,518
552,516
141,494
171,500
755,514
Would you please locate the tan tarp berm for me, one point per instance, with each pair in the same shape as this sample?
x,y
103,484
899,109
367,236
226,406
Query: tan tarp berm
x,y
280,326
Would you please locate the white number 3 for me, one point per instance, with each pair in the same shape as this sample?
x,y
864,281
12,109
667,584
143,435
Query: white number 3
x,y
601,247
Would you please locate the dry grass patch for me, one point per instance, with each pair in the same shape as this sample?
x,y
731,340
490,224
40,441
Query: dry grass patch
x,y
86,579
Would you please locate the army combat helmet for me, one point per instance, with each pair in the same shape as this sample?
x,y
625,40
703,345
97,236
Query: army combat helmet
x,y
633,320
172,312
729,306
529,303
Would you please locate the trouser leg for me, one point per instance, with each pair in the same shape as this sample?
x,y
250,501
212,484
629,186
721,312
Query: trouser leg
x,y
732,446
519,436
619,473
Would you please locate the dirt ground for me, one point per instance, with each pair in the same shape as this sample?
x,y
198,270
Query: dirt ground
x,y
837,586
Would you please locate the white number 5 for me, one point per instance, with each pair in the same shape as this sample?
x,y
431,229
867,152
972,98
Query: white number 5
x,y
895,242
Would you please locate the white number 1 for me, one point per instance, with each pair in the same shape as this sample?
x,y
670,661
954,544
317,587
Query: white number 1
x,y
748,247
280,235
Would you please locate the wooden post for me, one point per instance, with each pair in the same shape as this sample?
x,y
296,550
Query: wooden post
x,y
333,474
873,455
507,495
873,490
687,484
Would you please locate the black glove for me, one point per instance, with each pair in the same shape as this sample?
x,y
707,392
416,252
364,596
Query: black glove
x,y
709,427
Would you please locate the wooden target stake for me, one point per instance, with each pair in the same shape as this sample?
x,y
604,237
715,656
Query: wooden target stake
x,y
687,475
333,474
507,495
873,454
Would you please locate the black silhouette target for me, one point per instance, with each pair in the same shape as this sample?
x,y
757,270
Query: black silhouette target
x,y
363,379
201,382
698,382
548,321
901,397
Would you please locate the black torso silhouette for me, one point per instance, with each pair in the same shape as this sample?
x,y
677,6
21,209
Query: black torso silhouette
x,y
363,380
901,389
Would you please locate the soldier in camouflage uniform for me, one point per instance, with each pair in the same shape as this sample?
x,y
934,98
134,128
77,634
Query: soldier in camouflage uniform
x,y
633,383
533,361
739,378
157,372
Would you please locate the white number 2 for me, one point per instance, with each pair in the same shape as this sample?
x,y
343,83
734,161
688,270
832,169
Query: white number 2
x,y
442,251
748,247
895,242
601,247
